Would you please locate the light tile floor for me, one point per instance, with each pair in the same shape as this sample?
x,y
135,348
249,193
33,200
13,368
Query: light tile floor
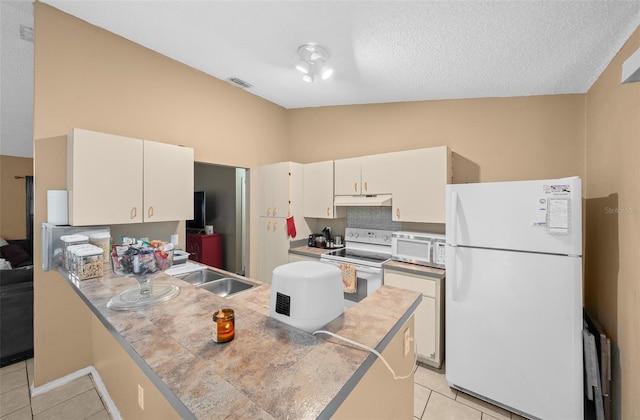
x,y
75,400
433,399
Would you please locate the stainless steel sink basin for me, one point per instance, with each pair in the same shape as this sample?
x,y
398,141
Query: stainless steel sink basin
x,y
227,286
204,276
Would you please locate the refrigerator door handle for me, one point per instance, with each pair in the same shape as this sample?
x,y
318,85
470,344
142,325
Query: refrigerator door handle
x,y
453,217
451,273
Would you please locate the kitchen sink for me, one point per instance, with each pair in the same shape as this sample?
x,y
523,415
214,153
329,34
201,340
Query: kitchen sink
x,y
204,276
227,286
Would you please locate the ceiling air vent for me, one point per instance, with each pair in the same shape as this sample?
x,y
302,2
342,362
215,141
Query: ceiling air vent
x,y
26,33
239,82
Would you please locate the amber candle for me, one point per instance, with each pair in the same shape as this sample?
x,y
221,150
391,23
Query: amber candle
x,y
223,325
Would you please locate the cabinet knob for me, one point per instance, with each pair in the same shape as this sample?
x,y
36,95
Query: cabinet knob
x,y
365,185
268,225
275,211
134,212
275,226
269,211
398,212
150,211
355,186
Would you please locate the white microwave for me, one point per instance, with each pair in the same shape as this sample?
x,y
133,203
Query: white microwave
x,y
426,249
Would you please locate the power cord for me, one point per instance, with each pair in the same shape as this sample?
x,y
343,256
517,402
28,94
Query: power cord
x,y
374,351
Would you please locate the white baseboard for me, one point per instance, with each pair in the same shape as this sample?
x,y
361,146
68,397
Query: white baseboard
x,y
97,380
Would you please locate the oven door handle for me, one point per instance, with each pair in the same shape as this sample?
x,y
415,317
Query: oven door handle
x,y
359,268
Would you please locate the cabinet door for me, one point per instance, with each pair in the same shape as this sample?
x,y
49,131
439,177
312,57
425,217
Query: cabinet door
x,y
419,186
273,246
168,182
376,173
104,178
347,176
426,328
273,190
318,190
279,186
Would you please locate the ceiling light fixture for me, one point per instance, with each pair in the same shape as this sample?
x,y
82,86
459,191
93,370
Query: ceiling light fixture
x,y
313,62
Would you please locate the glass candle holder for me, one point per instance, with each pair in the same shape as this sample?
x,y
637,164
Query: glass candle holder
x,y
223,326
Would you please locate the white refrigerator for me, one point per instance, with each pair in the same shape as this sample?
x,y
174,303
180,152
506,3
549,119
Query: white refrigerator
x,y
514,295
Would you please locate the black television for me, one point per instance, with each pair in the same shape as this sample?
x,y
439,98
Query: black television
x,y
199,211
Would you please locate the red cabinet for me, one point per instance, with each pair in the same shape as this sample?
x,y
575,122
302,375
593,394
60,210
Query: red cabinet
x,y
206,249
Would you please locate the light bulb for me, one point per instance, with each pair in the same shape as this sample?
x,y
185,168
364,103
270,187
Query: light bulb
x,y
308,77
326,72
303,66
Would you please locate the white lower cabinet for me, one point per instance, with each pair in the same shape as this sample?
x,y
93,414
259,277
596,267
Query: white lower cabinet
x,y
429,316
299,257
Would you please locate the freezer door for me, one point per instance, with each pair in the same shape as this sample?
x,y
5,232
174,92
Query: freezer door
x,y
514,330
537,216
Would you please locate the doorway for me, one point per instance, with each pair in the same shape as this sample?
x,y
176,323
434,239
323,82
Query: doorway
x,y
226,210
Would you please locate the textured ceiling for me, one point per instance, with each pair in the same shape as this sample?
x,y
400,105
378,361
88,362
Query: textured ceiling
x,y
16,80
382,51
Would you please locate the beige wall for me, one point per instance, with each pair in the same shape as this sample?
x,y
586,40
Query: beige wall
x,y
509,138
613,222
89,78
13,216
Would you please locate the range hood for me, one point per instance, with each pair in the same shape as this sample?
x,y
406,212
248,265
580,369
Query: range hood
x,y
362,200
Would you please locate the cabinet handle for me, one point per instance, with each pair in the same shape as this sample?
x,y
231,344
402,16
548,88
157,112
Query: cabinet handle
x,y
275,211
150,212
398,212
269,211
134,212
365,185
268,226
275,226
327,211
355,186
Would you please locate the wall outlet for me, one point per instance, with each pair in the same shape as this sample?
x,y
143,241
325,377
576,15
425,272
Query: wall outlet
x,y
141,396
407,341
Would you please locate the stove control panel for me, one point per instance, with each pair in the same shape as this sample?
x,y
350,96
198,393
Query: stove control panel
x,y
368,236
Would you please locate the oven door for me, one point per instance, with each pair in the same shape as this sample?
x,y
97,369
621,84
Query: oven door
x,y
369,280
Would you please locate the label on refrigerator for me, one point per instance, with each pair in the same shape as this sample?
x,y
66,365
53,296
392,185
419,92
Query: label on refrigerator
x,y
558,215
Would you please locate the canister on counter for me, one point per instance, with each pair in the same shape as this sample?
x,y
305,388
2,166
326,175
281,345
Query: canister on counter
x,y
70,240
88,263
223,325
103,240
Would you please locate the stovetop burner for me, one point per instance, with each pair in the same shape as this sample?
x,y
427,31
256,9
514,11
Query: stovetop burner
x,y
372,257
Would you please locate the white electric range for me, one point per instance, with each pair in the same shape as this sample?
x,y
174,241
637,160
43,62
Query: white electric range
x,y
366,250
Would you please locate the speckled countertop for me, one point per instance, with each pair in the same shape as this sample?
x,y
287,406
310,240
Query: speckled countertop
x,y
270,370
310,251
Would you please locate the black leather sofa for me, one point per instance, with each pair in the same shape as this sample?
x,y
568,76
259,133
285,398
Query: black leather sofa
x,y
16,303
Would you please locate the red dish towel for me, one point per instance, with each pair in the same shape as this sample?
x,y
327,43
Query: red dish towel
x,y
291,227
349,278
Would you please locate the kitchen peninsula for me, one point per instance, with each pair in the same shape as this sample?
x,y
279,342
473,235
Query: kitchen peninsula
x,y
270,370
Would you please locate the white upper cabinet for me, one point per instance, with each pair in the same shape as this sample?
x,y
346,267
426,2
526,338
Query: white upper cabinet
x,y
419,185
111,181
168,182
318,191
347,176
366,175
273,190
